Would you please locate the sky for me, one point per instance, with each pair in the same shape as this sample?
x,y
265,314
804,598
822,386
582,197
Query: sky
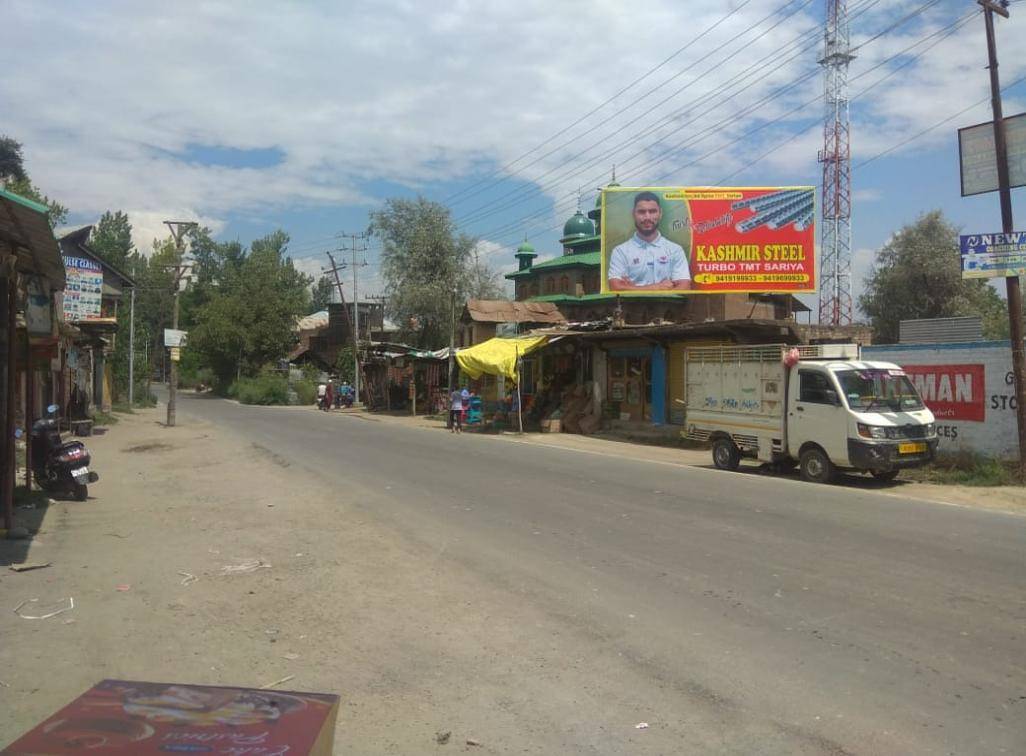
x,y
308,116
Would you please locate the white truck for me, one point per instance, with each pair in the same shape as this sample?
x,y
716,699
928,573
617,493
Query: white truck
x,y
817,407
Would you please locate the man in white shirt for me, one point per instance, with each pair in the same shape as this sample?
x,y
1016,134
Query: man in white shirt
x,y
648,260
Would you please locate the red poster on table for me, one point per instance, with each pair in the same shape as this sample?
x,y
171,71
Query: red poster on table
x,y
157,719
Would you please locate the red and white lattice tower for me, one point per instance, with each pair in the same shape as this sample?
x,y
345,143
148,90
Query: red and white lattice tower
x,y
835,305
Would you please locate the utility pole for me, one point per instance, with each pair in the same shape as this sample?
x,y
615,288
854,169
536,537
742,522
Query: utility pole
x,y
131,351
452,344
1005,193
354,238
178,229
334,269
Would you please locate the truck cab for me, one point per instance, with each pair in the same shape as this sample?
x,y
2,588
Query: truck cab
x,y
864,416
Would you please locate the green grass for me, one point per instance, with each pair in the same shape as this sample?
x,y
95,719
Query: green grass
x,y
105,419
966,470
264,389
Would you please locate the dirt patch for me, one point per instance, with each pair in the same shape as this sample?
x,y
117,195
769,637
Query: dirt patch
x,y
275,458
151,447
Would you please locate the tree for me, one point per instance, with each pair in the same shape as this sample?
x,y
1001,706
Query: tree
x,y
917,275
245,305
424,261
112,240
323,291
12,165
14,178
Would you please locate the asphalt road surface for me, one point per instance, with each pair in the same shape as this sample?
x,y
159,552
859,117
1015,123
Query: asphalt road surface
x,y
751,614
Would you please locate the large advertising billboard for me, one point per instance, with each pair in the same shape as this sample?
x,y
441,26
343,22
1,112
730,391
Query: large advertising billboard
x,y
680,240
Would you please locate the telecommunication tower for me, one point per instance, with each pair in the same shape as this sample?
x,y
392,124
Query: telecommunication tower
x,y
835,304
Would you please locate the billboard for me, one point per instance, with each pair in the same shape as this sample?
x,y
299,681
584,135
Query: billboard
x,y
711,240
977,155
84,289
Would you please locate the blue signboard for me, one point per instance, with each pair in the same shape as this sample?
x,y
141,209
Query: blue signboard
x,y
993,255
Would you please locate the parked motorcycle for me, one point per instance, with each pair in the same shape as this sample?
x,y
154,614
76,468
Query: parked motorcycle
x,y
59,465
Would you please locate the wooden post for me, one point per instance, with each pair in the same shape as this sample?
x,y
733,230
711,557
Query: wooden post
x,y
12,376
30,411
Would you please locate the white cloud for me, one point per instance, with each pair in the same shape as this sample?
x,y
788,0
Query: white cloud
x,y
412,93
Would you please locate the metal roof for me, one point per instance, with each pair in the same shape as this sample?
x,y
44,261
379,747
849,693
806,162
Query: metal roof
x,y
940,330
507,311
25,230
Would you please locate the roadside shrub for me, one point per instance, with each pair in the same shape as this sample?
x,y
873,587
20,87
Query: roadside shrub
x,y
264,389
306,391
967,469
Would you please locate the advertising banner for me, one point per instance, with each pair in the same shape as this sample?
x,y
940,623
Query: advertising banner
x,y
993,255
680,240
952,392
84,289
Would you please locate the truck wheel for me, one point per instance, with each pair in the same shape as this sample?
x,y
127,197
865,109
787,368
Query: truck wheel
x,y
725,454
885,476
81,492
816,466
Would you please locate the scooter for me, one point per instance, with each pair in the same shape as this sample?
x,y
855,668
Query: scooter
x,y
56,465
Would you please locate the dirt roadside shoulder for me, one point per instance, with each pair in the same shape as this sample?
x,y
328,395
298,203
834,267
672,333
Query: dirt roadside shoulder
x,y
201,557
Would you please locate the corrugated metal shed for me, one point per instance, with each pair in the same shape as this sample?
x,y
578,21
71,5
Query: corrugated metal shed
x,y
940,330
25,232
506,311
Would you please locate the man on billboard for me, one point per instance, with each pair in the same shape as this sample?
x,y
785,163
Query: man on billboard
x,y
648,260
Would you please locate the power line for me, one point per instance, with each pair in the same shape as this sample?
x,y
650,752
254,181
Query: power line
x,y
474,215
946,31
599,107
927,130
803,41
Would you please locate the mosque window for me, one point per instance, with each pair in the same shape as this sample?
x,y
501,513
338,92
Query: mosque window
x,y
550,285
534,289
564,285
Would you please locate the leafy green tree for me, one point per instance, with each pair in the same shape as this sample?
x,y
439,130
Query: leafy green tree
x,y
112,240
424,261
12,164
14,178
246,305
917,274
323,290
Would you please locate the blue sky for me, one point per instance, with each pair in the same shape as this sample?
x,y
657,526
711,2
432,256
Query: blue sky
x,y
308,116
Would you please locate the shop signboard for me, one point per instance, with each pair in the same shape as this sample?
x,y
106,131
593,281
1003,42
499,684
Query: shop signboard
x,y
708,240
84,289
995,255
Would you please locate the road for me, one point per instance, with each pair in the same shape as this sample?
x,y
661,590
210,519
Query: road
x,y
743,613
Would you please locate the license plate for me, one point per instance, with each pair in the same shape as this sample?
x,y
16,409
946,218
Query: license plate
x,y
80,472
916,448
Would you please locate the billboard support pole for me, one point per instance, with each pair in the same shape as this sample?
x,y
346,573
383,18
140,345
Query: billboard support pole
x,y
1005,193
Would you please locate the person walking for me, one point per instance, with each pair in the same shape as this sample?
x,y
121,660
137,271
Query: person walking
x,y
456,411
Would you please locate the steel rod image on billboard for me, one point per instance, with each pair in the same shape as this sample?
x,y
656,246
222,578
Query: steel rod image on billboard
x,y
679,240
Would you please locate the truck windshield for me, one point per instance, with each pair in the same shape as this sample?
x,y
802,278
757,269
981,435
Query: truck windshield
x,y
872,389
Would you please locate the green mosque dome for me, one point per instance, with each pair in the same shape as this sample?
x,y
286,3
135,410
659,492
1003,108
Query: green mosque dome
x,y
578,227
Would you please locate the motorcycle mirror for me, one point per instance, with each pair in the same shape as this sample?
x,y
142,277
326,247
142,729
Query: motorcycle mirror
x,y
52,409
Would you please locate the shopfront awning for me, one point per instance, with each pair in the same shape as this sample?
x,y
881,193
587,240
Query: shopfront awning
x,y
497,356
25,232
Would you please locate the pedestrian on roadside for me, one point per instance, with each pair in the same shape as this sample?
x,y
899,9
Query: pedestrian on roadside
x,y
322,389
329,397
465,397
456,411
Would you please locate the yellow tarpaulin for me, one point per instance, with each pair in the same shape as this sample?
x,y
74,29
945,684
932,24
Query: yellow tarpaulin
x,y
497,356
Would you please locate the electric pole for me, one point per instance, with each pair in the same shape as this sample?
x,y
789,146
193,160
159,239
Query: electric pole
x,y
1005,193
178,229
353,239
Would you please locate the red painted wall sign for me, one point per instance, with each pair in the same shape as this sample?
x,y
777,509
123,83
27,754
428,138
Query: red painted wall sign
x,y
952,392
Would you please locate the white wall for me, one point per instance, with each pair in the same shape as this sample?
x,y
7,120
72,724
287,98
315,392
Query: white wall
x,y
969,388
